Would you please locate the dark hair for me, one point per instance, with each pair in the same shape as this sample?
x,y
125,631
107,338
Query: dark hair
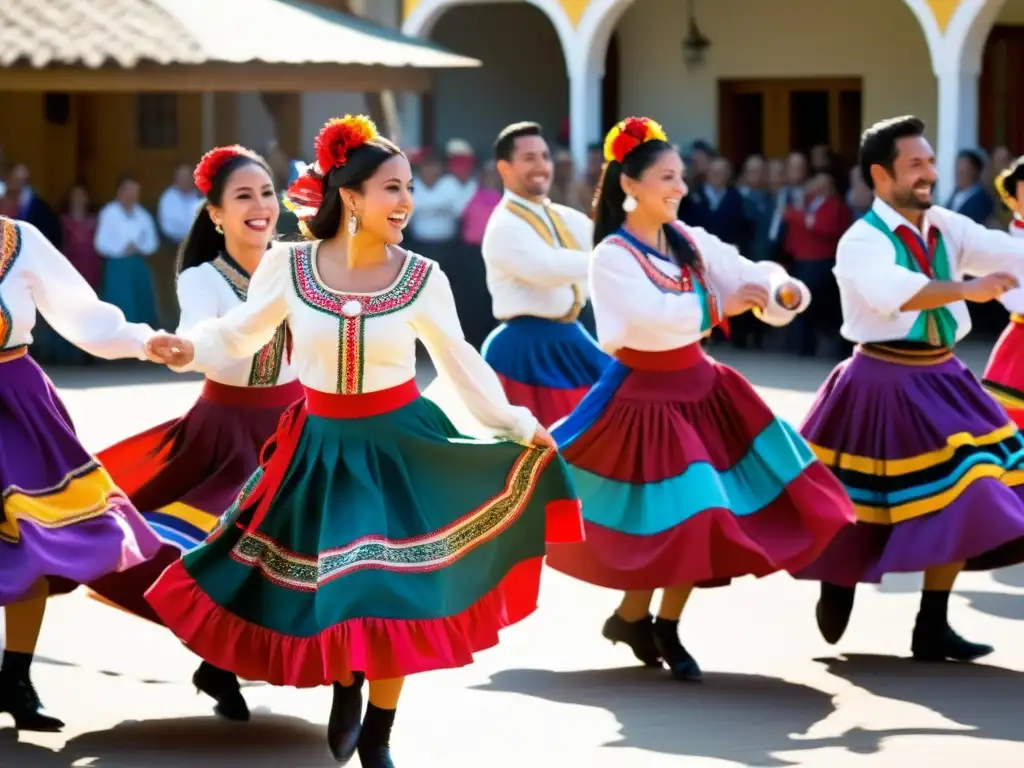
x,y
505,144
124,178
878,143
608,214
361,164
203,242
1007,182
974,158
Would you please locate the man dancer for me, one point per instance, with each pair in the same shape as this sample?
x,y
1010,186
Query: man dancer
x,y
537,254
934,466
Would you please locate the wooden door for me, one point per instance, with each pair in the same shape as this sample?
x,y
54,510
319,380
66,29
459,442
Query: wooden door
x,y
1000,103
774,117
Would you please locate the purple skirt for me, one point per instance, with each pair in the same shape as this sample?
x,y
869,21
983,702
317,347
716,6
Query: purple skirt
x,y
63,517
933,465
185,473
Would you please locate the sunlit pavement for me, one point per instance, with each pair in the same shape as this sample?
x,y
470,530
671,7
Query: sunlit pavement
x,y
555,693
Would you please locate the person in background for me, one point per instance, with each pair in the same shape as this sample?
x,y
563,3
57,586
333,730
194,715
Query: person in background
x,y
440,200
812,236
721,210
125,236
758,209
789,197
175,212
20,201
473,301
971,199
697,169
177,207
564,181
860,196
78,232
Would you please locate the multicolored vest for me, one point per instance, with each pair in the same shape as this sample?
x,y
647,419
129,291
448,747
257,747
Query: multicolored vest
x,y
936,327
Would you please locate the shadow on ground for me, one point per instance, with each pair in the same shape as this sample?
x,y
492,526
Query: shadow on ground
x,y
269,741
984,699
740,718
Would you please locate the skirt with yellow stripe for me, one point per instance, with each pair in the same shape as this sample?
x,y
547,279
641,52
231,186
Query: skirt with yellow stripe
x,y
1004,374
934,466
62,518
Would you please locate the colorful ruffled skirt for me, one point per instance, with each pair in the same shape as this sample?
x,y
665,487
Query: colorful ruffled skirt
x,y
63,518
375,539
544,365
184,474
934,466
686,477
1004,374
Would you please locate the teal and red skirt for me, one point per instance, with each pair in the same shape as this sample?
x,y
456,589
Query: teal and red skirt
x,y
547,366
1004,374
686,477
376,539
184,473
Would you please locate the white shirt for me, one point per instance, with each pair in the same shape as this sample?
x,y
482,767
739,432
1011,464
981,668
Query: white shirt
x,y
117,228
873,287
632,311
526,273
371,350
439,208
176,212
211,290
1014,300
35,275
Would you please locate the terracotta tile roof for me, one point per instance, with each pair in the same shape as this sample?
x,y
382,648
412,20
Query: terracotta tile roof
x,y
94,33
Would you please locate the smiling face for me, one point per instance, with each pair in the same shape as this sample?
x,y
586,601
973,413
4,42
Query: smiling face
x,y
911,183
248,208
529,172
384,203
660,188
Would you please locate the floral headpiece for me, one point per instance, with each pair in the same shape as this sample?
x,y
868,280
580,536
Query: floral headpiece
x,y
333,145
629,134
210,163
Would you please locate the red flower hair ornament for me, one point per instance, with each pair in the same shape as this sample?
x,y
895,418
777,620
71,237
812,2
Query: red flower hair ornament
x,y
333,145
629,134
211,163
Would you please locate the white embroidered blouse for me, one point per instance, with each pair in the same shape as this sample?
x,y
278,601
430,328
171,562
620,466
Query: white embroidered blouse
x,y
36,276
211,290
349,343
643,303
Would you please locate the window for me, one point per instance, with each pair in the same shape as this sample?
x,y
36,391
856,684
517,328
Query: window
x,y
156,121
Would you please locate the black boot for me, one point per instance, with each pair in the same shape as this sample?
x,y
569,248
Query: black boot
x,y
18,697
679,661
935,640
833,612
222,687
374,741
638,635
343,727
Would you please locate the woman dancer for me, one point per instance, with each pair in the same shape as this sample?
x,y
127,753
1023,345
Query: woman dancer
x,y
63,522
686,476
376,542
185,473
1004,374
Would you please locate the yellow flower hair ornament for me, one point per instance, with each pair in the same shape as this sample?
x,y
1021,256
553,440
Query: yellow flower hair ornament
x,y
630,134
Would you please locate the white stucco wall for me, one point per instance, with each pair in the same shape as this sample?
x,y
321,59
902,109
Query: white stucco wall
x,y
783,38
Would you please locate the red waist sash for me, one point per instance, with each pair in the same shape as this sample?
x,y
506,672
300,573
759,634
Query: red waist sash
x,y
252,397
677,359
279,450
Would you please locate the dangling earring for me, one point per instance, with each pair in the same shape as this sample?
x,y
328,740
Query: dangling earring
x,y
353,223
629,204
219,229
